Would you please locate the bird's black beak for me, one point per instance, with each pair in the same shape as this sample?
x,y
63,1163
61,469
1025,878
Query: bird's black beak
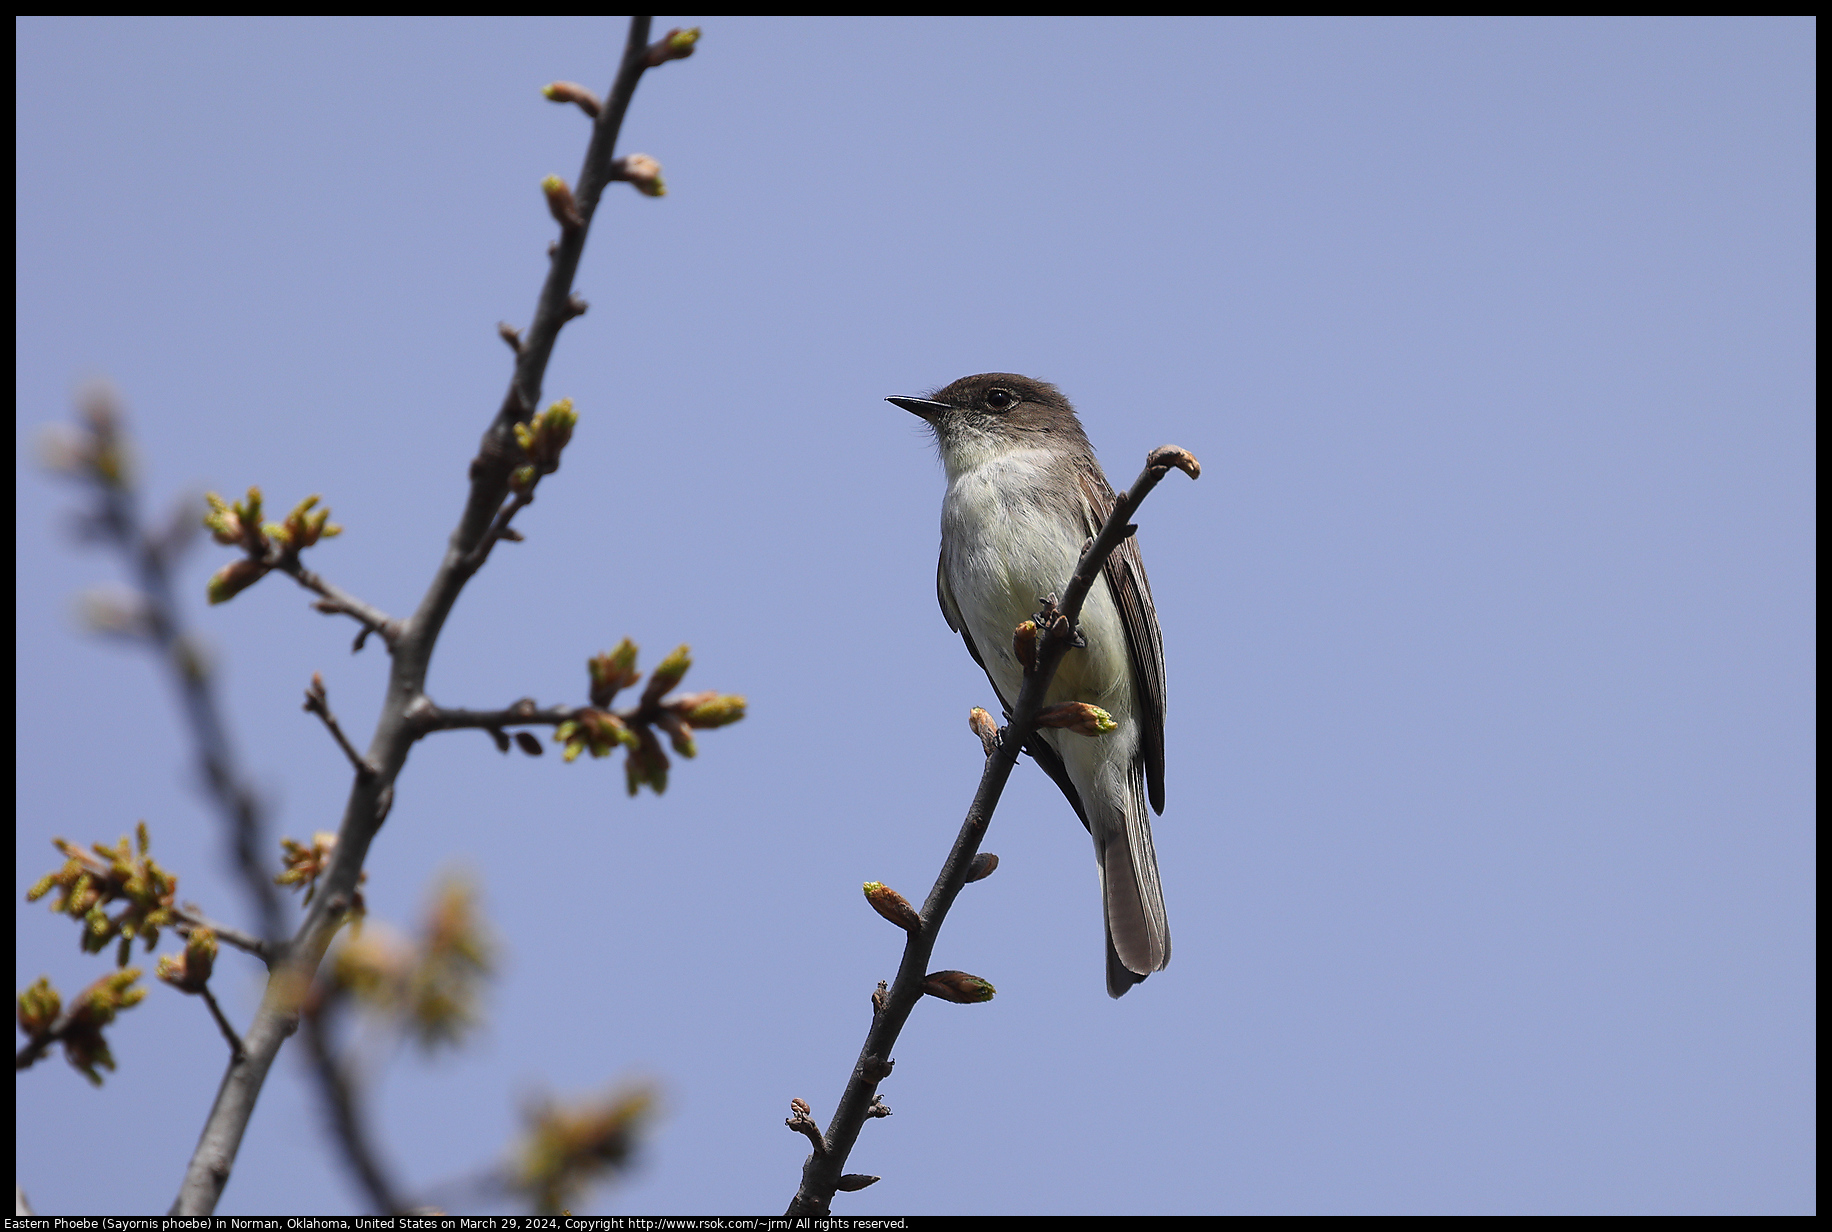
x,y
928,408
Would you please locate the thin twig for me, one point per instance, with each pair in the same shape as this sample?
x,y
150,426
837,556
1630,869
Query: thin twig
x,y
336,601
431,718
188,918
316,702
499,529
36,1047
222,1023
822,1172
397,729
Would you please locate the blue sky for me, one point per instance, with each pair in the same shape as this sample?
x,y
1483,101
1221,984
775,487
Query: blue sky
x,y
1489,841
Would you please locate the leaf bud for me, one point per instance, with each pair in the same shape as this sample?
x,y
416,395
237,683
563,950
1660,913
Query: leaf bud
x,y
233,578
677,44
982,866
1166,456
980,724
707,710
680,736
38,1007
190,971
646,763
666,675
560,203
958,987
892,906
573,92
1078,717
612,671
643,173
1024,644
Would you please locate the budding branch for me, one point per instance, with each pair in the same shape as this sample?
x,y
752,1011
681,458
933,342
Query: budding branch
x,y
824,1170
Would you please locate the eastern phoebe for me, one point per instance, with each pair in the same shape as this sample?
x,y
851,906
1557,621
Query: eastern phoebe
x,y
1024,495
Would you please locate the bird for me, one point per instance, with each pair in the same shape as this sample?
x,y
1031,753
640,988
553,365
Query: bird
x,y
1025,493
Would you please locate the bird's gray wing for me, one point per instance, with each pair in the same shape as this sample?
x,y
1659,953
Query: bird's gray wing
x,y
1040,752
1125,574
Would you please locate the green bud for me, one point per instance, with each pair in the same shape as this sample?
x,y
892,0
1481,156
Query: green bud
x,y
233,578
958,987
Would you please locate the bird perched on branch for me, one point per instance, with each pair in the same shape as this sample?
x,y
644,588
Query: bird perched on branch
x,y
1024,495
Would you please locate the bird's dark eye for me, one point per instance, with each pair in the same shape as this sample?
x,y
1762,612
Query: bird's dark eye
x,y
999,399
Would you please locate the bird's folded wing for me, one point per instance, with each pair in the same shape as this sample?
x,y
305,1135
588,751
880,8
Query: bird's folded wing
x,y
1125,573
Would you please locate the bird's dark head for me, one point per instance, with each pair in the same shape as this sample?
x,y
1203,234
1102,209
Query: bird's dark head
x,y
978,418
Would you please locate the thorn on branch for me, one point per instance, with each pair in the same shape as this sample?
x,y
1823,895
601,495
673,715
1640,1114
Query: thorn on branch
x,y
982,866
853,1181
677,44
528,744
501,737
511,335
317,703
573,92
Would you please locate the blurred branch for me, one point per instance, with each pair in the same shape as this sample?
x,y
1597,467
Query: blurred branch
x,y
316,702
157,618
824,1172
502,464
352,1132
336,601
188,918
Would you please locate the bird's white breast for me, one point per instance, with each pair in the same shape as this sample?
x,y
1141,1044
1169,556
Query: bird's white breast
x,y
1005,550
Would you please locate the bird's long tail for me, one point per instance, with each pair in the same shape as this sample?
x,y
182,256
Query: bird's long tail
x,y
1138,936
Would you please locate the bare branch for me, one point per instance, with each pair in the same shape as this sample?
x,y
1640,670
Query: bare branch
x,y
222,1023
822,1173
317,703
498,456
431,718
335,601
